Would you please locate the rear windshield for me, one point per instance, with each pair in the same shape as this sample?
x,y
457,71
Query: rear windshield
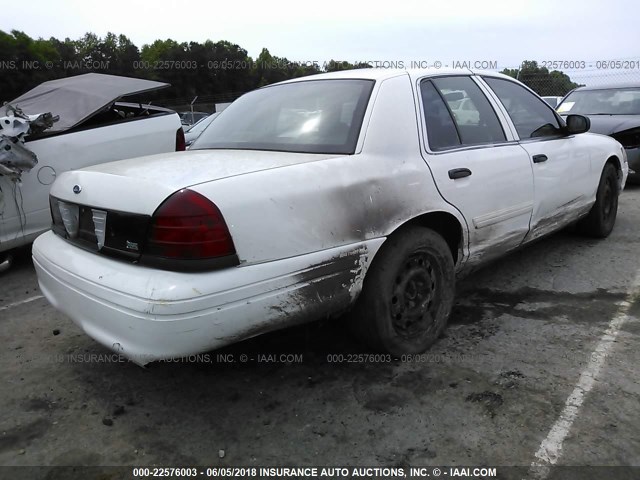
x,y
610,101
316,116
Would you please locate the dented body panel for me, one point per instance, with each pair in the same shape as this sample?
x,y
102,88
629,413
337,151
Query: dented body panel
x,y
307,226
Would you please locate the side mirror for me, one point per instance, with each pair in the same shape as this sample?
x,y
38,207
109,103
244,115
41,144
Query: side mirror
x,y
577,124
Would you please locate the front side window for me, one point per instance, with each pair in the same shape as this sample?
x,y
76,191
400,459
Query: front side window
x,y
316,116
531,116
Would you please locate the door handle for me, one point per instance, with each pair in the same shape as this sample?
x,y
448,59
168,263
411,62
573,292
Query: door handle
x,y
540,158
459,173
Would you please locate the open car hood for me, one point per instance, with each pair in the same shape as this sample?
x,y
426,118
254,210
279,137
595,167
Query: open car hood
x,y
75,99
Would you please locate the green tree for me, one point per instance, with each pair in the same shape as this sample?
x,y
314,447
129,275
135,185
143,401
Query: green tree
x,y
87,47
68,57
127,56
270,69
223,66
218,70
25,63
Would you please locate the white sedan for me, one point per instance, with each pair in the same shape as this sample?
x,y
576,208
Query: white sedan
x,y
349,190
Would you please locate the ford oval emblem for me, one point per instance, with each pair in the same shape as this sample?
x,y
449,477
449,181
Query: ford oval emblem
x,y
77,189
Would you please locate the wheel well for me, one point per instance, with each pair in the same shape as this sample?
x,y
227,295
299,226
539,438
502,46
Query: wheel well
x,y
445,224
615,161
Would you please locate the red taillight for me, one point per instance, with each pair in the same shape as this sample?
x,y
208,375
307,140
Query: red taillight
x,y
181,145
188,226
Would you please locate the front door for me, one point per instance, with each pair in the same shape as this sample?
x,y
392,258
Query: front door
x,y
561,163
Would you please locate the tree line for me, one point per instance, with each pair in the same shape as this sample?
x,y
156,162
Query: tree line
x,y
192,68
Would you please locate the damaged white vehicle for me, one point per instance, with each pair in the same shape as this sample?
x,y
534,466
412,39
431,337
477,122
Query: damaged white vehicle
x,y
307,198
68,124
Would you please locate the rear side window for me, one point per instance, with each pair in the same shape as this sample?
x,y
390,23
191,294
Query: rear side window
x,y
441,131
531,116
475,118
457,113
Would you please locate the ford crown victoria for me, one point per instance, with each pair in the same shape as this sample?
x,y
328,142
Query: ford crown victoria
x,y
356,190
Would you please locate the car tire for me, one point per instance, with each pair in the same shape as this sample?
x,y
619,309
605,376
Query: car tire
x,y
602,216
407,293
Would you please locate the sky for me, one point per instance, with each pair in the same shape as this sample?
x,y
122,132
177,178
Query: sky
x,y
500,31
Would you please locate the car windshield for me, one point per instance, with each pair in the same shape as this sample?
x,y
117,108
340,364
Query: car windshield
x,y
316,116
610,101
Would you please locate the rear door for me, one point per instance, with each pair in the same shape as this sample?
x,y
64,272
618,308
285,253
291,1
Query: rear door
x,y
476,164
561,163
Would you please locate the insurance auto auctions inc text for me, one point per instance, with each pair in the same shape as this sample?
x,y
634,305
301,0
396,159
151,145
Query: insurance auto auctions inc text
x,y
369,472
392,64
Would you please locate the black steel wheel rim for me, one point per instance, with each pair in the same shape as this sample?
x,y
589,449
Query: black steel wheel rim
x,y
414,302
608,198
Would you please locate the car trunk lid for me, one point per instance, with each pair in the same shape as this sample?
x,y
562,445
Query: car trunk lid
x,y
108,208
151,177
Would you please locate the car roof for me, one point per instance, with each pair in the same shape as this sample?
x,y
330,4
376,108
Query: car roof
x,y
384,73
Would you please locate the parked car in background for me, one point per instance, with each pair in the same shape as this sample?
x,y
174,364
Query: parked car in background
x,y
552,101
197,128
465,112
614,110
353,189
190,118
93,127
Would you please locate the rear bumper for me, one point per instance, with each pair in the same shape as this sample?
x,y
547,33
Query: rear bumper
x,y
146,314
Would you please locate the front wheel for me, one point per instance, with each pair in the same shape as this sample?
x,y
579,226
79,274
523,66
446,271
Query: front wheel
x,y
407,294
602,216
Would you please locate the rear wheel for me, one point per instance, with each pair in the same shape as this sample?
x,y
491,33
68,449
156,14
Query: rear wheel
x,y
602,217
407,294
